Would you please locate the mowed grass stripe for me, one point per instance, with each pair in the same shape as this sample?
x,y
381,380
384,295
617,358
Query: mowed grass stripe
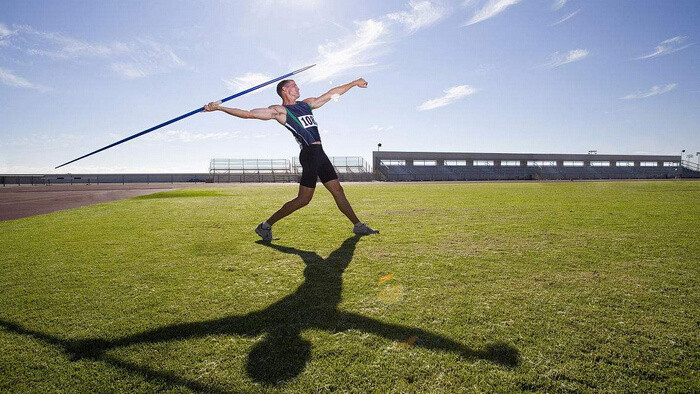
x,y
592,286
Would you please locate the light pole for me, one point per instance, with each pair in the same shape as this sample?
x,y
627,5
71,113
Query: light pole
x,y
379,145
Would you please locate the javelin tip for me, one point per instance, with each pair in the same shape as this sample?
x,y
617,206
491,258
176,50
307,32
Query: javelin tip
x,y
303,69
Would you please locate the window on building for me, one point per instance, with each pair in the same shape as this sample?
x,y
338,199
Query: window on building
x,y
510,163
648,164
625,164
541,163
600,164
670,164
393,162
483,162
573,163
424,162
455,162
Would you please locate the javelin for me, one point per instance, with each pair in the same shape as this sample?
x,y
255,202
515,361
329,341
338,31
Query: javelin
x,y
188,114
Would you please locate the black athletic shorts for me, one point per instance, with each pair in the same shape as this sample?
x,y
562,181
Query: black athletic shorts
x,y
315,164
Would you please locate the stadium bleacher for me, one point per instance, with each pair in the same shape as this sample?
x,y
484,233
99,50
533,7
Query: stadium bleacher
x,y
435,166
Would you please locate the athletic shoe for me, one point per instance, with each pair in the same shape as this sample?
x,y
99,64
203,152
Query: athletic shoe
x,y
264,232
363,229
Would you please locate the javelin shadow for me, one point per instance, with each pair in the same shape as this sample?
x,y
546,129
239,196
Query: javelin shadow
x,y
283,353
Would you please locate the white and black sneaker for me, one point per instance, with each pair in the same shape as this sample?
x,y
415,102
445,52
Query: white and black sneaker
x,y
264,230
363,229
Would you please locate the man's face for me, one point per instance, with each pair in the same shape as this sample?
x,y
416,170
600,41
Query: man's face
x,y
292,89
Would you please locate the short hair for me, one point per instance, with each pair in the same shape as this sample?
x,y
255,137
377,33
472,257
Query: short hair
x,y
281,85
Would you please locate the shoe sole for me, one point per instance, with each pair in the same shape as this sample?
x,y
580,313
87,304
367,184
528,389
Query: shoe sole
x,y
262,236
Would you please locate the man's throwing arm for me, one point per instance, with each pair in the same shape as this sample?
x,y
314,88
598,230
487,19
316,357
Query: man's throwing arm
x,y
317,102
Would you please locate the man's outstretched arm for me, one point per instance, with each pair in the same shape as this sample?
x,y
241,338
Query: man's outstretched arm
x,y
317,102
272,112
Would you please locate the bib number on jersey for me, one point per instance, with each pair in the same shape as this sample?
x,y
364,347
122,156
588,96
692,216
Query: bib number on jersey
x,y
307,121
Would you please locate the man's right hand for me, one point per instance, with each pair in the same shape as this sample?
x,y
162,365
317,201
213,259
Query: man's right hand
x,y
213,106
361,83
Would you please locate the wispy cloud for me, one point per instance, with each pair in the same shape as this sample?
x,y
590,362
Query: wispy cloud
x,y
4,34
184,136
378,128
558,4
246,81
422,14
129,70
372,39
147,57
4,31
352,52
7,77
566,18
654,91
669,46
557,59
489,10
451,95
137,58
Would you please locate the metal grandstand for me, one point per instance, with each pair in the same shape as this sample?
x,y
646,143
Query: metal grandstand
x,y
437,166
349,168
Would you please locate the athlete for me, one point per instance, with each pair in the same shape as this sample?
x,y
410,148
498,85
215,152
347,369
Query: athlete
x,y
297,117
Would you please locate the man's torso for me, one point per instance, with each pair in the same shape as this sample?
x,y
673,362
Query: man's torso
x,y
300,121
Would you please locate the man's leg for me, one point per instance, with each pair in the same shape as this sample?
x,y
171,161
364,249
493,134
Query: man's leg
x,y
341,201
301,200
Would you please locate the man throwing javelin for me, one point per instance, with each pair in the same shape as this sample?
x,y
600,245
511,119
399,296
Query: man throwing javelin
x,y
297,117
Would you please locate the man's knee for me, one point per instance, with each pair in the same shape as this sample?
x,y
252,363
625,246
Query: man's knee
x,y
336,189
303,200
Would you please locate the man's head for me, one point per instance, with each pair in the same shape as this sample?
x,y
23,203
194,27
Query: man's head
x,y
289,88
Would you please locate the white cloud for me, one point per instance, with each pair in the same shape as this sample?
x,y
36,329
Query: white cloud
x,y
248,80
451,95
566,18
184,136
655,90
351,52
129,70
422,14
574,55
377,128
7,77
137,58
147,57
58,45
372,38
667,47
5,33
558,4
491,9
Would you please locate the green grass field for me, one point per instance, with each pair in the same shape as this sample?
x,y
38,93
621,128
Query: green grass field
x,y
469,287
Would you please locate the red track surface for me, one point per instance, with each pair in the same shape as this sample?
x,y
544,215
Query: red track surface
x,y
21,201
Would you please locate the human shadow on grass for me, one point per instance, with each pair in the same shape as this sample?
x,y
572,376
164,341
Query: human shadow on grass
x,y
283,353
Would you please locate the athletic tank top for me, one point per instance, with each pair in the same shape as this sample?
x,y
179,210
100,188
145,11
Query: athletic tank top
x,y
300,121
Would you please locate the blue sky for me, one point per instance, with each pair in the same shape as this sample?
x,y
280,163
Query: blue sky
x,y
549,76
